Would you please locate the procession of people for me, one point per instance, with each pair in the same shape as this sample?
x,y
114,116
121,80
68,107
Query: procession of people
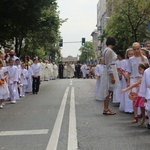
x,y
19,76
122,77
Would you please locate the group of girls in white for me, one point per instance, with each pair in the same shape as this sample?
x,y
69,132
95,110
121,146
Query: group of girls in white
x,y
133,72
16,78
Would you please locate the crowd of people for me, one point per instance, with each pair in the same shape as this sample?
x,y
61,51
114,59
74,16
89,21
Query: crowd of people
x,y
121,77
19,76
78,70
124,79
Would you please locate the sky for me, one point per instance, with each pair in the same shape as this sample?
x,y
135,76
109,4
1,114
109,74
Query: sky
x,y
82,19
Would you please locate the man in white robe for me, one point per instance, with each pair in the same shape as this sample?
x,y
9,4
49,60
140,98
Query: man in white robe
x,y
42,70
51,70
46,71
55,68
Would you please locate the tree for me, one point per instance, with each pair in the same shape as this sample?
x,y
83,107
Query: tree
x,y
87,52
48,33
128,22
21,19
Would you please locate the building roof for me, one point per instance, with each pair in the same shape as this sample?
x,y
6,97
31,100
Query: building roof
x,y
69,59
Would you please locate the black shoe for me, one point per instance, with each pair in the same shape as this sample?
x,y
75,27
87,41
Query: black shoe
x,y
148,126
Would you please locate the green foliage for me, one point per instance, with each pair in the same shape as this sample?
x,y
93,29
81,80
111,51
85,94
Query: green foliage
x,y
35,22
87,52
128,22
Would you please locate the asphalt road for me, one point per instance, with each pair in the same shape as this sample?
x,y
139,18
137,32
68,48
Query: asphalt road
x,y
65,116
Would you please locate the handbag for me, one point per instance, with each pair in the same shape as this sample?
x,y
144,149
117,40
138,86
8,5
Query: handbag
x,y
132,95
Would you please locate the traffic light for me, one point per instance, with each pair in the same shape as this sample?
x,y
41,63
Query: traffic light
x,y
83,41
61,43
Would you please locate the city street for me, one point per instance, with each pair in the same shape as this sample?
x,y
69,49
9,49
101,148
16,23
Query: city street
x,y
65,116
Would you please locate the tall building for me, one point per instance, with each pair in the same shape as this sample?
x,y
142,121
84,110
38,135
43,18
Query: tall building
x,y
94,34
104,11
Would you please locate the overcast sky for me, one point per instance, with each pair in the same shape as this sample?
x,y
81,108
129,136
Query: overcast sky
x,y
82,18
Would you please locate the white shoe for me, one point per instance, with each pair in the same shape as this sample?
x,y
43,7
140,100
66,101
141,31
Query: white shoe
x,y
13,102
1,106
23,95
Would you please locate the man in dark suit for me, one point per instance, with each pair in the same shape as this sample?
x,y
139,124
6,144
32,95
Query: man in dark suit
x,y
61,69
78,69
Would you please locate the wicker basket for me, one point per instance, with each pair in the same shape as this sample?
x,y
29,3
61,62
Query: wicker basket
x,y
1,82
132,96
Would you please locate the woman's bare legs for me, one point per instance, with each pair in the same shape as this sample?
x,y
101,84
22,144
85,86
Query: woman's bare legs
x,y
107,111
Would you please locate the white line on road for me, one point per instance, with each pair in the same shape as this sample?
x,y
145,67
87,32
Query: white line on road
x,y
72,137
53,141
71,82
24,132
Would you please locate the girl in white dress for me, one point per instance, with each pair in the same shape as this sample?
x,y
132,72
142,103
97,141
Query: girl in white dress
x,y
133,74
126,104
29,79
4,93
13,75
120,63
23,80
98,73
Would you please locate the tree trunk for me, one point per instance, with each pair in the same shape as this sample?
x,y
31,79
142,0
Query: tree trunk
x,y
16,46
135,36
20,45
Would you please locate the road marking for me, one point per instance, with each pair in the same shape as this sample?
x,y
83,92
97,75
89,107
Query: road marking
x,y
72,136
24,132
71,82
53,141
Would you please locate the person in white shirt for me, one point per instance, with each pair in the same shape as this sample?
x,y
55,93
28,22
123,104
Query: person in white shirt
x,y
36,68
